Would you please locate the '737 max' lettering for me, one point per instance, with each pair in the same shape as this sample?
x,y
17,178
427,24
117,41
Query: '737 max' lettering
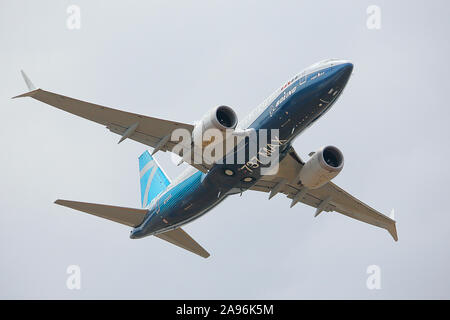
x,y
266,151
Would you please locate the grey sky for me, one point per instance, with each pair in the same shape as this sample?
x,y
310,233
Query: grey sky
x,y
176,60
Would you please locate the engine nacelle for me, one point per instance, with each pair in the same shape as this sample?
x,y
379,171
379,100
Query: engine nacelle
x,y
324,165
222,118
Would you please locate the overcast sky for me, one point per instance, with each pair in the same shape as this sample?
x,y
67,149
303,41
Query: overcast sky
x,y
176,60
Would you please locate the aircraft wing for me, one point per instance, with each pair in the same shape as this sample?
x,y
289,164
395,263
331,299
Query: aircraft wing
x,y
133,218
150,131
329,197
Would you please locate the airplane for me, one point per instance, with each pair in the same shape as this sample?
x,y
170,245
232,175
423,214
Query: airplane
x,y
167,205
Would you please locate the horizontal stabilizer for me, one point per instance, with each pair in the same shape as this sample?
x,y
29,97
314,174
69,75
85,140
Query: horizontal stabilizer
x,y
133,218
181,239
127,216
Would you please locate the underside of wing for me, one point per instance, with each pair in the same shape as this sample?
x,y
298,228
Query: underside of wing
x,y
153,132
181,239
327,198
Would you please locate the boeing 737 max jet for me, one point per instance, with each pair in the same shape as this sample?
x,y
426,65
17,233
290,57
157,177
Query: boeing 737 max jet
x,y
168,204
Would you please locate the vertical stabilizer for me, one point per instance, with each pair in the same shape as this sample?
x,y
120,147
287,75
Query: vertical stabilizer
x,y
152,177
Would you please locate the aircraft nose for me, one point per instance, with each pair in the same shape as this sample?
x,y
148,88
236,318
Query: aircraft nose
x,y
348,66
343,71
345,67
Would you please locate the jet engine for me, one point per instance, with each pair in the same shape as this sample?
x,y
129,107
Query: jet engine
x,y
222,118
324,165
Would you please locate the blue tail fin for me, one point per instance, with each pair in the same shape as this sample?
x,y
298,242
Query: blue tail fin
x,y
153,178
